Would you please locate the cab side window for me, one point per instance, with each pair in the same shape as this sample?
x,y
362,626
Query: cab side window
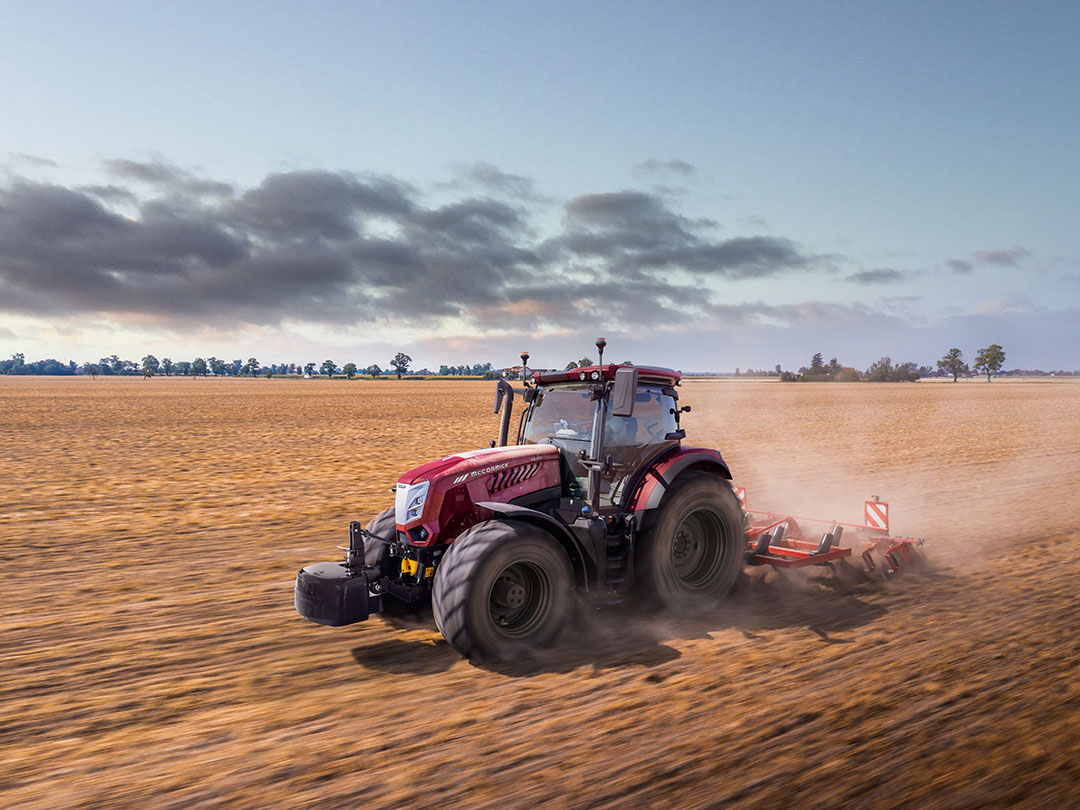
x,y
632,440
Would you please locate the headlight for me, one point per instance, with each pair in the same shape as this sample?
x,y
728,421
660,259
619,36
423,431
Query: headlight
x,y
409,501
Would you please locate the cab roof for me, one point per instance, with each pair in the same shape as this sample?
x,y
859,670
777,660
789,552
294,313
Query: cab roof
x,y
646,374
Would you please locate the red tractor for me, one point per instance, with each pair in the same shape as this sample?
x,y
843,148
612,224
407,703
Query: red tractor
x,y
598,494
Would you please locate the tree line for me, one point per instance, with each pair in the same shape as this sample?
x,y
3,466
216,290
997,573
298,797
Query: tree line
x,y
150,366
989,361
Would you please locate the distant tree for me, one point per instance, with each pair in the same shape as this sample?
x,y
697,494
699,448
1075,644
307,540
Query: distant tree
x,y
217,366
848,375
374,371
251,366
400,363
905,372
572,364
817,364
788,376
328,367
150,365
778,368
953,363
198,367
990,360
183,367
884,371
91,369
584,361
309,369
349,369
167,366
237,367
834,367
881,371
115,364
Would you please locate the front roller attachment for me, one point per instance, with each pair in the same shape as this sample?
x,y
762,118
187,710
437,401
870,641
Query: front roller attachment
x,y
334,593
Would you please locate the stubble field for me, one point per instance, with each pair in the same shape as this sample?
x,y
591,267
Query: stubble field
x,y
150,656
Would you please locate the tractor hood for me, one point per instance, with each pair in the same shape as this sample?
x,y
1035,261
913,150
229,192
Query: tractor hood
x,y
435,499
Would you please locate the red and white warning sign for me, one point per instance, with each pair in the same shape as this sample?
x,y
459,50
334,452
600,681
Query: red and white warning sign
x,y
877,515
740,493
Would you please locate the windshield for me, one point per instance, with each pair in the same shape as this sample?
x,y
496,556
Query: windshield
x,y
562,413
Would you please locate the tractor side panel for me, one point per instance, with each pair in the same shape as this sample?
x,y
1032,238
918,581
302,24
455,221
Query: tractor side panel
x,y
500,475
664,473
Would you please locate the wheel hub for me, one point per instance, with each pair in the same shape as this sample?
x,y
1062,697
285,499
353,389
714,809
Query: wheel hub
x,y
509,593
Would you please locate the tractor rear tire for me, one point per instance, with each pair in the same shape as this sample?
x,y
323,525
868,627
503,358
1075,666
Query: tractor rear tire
x,y
376,555
693,548
503,590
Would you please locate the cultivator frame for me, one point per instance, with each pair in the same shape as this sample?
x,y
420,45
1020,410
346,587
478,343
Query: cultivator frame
x,y
783,540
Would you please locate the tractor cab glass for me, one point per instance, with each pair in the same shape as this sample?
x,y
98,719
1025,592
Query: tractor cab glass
x,y
563,416
632,441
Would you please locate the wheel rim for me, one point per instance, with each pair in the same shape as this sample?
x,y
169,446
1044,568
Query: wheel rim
x,y
520,599
698,549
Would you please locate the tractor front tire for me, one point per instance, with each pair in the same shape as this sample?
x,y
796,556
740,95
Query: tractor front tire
x,y
693,548
377,555
502,590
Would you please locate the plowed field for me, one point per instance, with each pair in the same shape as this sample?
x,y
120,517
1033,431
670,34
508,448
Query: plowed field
x,y
150,656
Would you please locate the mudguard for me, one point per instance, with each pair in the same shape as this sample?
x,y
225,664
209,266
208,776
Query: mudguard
x,y
663,474
579,557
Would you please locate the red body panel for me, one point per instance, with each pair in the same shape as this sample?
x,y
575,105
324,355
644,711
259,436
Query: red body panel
x,y
656,477
663,376
460,481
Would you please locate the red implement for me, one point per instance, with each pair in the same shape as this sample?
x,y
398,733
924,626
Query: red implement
x,y
783,540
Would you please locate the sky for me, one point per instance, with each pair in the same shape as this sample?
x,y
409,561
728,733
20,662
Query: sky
x,y
709,186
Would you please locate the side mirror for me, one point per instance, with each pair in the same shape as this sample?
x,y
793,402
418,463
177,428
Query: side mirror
x,y
623,395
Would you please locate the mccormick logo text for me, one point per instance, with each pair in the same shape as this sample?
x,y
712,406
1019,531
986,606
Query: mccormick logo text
x,y
474,473
494,468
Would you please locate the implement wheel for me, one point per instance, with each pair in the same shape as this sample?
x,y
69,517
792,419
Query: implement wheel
x,y
502,590
691,552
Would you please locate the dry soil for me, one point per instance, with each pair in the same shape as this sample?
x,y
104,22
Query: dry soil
x,y
150,656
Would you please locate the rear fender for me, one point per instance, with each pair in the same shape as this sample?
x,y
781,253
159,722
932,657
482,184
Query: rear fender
x,y
570,543
663,474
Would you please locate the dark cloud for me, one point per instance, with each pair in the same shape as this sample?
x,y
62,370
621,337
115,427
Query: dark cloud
x,y
33,160
320,204
336,247
1007,257
884,275
636,232
674,166
494,180
165,176
961,266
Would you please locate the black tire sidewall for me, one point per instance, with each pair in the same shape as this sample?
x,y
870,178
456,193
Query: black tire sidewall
x,y
375,553
463,583
659,583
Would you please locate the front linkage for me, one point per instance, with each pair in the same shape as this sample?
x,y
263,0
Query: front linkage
x,y
339,593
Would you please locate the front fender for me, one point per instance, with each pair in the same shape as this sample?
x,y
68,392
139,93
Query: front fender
x,y
579,557
663,474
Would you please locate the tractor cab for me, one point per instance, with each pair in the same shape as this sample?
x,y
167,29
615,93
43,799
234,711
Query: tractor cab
x,y
609,422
